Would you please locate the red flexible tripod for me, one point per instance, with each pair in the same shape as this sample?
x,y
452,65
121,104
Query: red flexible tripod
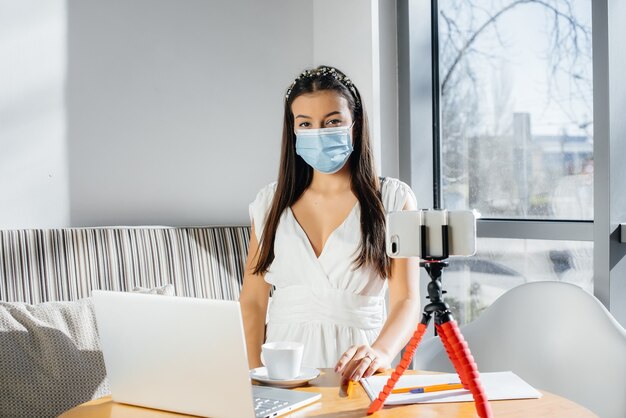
x,y
447,329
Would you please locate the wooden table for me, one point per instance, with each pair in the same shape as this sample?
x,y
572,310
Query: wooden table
x,y
336,404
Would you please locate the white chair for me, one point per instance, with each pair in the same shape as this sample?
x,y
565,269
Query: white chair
x,y
555,336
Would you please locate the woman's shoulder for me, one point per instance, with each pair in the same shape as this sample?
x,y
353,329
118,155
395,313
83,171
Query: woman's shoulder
x,y
395,194
260,205
267,190
392,182
264,196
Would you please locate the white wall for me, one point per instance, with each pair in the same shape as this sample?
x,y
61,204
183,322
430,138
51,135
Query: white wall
x,y
388,62
175,108
34,190
167,111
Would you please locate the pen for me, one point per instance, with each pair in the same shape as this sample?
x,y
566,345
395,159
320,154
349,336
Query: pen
x,y
431,388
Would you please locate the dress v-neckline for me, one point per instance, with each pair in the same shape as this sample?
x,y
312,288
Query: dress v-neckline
x,y
308,240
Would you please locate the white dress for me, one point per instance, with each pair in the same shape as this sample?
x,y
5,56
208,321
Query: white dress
x,y
322,302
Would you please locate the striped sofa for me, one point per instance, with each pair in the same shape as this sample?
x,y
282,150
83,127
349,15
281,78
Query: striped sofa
x,y
50,357
66,264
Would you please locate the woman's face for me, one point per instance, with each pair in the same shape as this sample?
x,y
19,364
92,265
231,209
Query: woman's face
x,y
320,109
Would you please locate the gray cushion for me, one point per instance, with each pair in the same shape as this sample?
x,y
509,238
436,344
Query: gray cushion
x,y
50,358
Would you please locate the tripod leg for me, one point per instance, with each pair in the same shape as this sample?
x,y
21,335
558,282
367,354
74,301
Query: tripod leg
x,y
451,355
466,362
404,363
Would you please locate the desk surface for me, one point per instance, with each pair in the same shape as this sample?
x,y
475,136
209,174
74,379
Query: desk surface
x,y
333,403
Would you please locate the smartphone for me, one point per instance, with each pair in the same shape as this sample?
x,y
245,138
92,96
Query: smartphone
x,y
403,236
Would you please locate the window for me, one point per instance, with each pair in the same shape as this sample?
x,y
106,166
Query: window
x,y
516,138
516,108
509,119
473,283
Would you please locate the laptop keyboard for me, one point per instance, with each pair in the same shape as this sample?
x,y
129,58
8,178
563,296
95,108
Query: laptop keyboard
x,y
264,406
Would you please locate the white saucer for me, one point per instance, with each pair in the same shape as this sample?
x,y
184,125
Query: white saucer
x,y
306,373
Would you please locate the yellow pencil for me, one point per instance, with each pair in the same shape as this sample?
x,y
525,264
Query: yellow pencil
x,y
431,388
350,388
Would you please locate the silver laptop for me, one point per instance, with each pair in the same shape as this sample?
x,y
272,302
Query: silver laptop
x,y
184,355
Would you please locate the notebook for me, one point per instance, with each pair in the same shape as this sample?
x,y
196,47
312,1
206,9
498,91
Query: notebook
x,y
497,386
184,355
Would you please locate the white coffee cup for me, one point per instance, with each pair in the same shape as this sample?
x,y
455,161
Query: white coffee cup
x,y
282,359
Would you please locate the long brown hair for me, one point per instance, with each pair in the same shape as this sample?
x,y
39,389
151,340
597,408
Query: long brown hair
x,y
295,175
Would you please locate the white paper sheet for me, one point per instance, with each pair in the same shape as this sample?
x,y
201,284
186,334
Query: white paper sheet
x,y
497,385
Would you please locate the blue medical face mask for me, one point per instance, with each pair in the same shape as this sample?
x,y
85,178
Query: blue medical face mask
x,y
326,149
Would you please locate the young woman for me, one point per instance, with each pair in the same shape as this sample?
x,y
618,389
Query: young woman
x,y
318,238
